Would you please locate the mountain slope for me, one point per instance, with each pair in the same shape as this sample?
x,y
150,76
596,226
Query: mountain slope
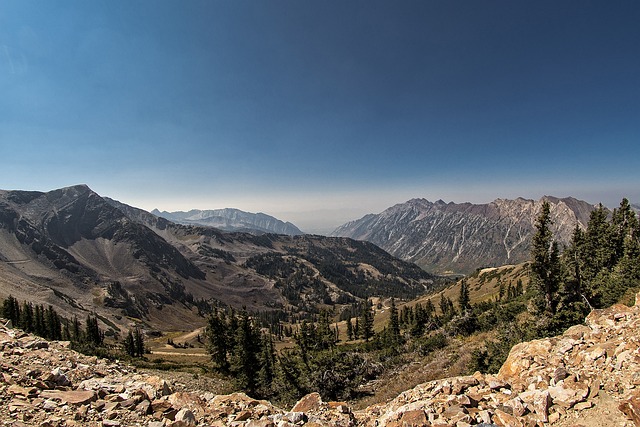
x,y
587,376
82,253
450,237
231,220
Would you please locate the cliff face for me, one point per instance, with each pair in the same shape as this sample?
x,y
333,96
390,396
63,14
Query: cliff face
x,y
442,237
589,376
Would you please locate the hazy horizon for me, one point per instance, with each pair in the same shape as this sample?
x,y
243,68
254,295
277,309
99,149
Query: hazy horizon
x,y
320,112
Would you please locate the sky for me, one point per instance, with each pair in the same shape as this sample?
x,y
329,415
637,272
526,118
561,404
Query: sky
x,y
318,112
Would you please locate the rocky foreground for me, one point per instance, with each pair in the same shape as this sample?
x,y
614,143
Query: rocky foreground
x,y
589,376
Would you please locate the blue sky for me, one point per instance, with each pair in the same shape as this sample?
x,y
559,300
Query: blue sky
x,y
318,112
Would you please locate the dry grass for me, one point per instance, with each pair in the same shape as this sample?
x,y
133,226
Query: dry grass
x,y
450,361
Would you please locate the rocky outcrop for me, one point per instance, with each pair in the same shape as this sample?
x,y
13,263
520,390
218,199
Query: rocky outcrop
x,y
589,376
442,237
45,384
565,380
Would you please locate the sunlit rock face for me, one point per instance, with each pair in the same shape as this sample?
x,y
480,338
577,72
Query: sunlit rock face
x,y
449,237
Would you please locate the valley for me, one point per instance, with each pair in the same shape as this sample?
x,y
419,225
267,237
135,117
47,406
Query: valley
x,y
280,316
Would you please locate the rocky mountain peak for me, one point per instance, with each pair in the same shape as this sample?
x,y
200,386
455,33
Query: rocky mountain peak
x,y
231,219
450,237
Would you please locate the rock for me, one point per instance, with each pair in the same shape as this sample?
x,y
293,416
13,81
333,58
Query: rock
x,y
73,397
631,408
186,416
310,402
502,419
519,359
296,417
414,418
263,423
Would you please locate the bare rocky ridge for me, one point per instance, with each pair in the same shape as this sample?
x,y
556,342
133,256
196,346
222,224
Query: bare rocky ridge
x,y
232,220
449,237
589,376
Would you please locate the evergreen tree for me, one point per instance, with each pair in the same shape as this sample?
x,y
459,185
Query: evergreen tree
x,y
11,310
129,344
629,265
266,374
366,322
598,248
357,333
545,264
324,336
38,321
245,363
349,330
446,306
53,326
217,341
463,298
394,324
138,343
623,222
93,334
26,317
76,332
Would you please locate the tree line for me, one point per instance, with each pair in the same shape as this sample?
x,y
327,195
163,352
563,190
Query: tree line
x,y
85,337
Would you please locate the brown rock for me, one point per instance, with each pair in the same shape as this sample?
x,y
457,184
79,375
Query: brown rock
x,y
143,407
73,397
516,406
310,402
243,416
22,391
631,408
415,418
519,359
265,423
502,419
466,400
186,416
541,402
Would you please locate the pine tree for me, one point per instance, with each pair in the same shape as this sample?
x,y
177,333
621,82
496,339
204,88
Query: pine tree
x,y
138,343
623,222
129,344
366,322
38,321
463,297
92,334
26,317
217,341
349,330
53,326
325,337
245,363
446,305
76,332
266,374
394,323
545,264
11,310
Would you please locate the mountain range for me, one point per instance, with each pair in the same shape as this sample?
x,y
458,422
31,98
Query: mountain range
x,y
459,238
83,253
232,220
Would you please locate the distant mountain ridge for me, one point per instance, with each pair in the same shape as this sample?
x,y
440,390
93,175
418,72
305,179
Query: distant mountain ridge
x,y
83,253
230,219
449,237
